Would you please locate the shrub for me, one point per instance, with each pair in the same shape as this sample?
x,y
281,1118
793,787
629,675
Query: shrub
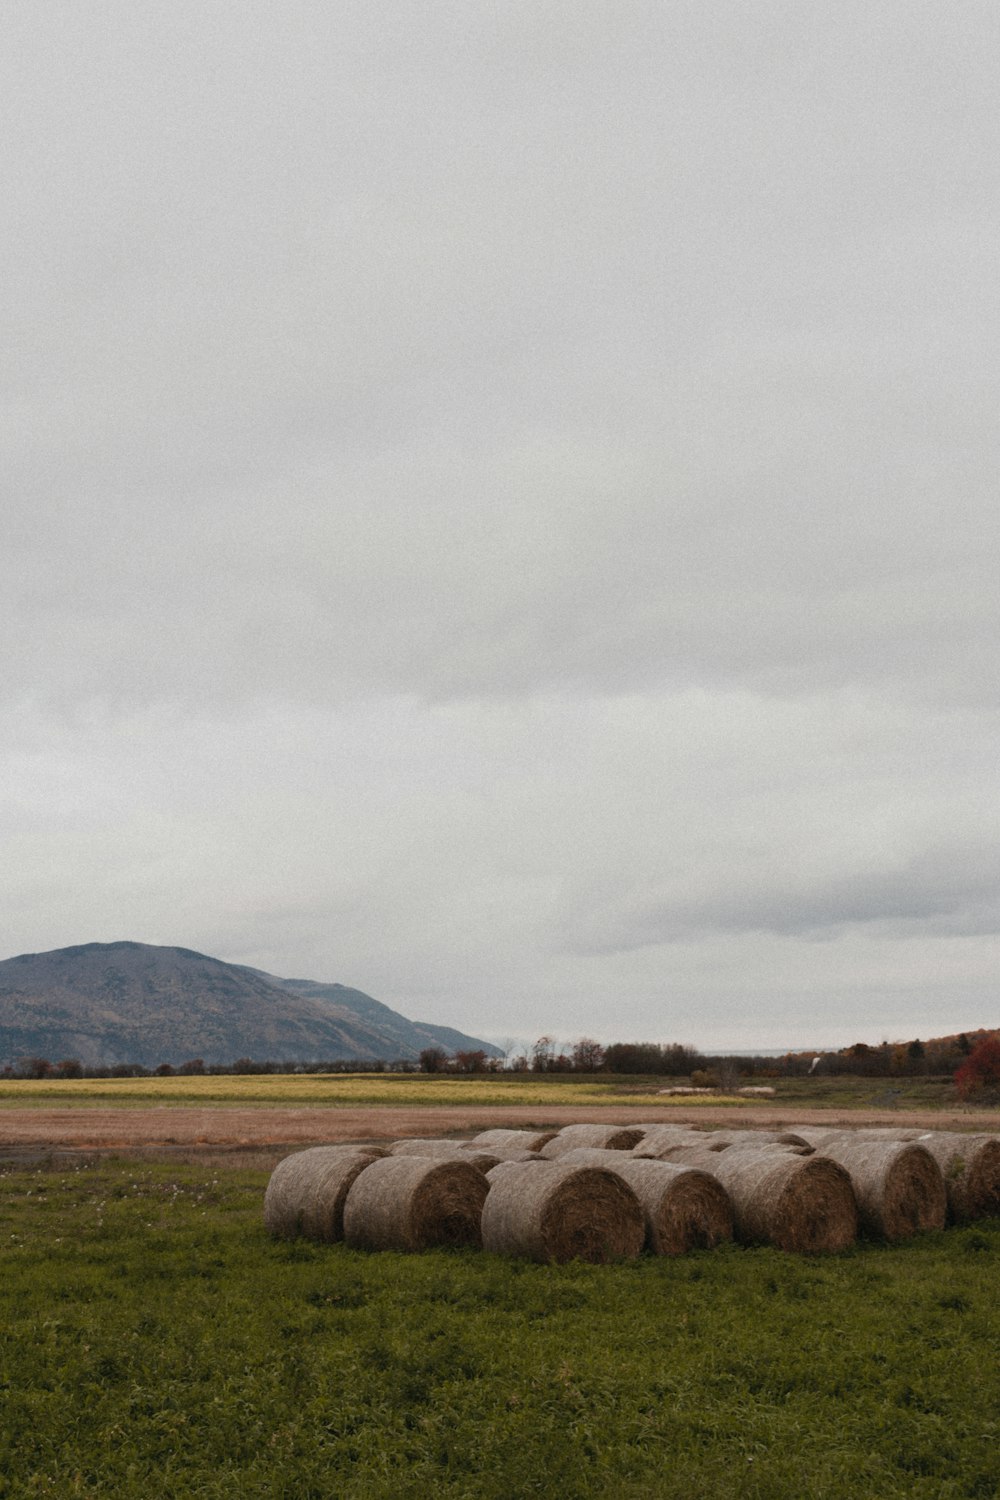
x,y
979,1075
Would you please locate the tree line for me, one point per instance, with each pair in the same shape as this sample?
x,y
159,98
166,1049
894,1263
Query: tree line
x,y
943,1057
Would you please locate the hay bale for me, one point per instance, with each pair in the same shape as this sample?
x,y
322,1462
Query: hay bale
x,y
415,1203
555,1211
422,1146
804,1204
307,1191
531,1159
817,1136
970,1166
746,1139
685,1208
660,1138
608,1137
516,1156
594,1156
898,1185
512,1140
445,1151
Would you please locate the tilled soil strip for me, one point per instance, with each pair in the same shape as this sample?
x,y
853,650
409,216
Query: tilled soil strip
x,y
34,1133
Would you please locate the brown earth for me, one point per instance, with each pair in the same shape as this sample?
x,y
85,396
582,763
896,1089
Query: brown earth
x,y
259,1136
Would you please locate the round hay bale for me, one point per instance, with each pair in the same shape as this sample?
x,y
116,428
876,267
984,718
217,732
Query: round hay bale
x,y
516,1156
970,1166
608,1137
531,1159
685,1208
512,1140
422,1146
415,1203
555,1211
817,1135
659,1138
446,1151
804,1204
898,1185
745,1139
594,1156
306,1192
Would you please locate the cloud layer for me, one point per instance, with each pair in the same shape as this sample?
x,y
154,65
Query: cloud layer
x,y
500,507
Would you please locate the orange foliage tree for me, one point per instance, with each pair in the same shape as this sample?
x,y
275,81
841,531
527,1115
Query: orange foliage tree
x,y
980,1072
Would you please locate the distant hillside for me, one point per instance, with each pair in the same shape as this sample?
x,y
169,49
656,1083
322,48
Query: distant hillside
x,y
108,1003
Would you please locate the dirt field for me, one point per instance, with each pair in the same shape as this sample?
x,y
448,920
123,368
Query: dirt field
x,y
261,1136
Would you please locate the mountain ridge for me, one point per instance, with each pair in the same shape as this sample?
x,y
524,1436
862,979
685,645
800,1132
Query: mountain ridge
x,y
128,1002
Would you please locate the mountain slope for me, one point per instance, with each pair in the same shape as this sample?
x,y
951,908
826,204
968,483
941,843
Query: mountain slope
x,y
108,1003
403,1038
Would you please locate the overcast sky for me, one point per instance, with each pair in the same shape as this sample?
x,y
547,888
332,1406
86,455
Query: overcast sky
x,y
500,504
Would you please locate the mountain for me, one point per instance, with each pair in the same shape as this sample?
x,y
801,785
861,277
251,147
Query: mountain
x,y
108,1003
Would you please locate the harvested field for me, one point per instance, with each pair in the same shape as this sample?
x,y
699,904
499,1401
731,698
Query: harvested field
x,y
262,1135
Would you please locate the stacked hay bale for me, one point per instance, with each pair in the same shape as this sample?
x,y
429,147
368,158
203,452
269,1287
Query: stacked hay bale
x,y
415,1203
783,1197
685,1208
657,1138
512,1140
307,1191
606,1137
969,1164
446,1151
659,1141
746,1138
557,1211
547,1194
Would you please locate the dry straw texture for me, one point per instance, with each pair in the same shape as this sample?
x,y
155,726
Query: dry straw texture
x,y
502,1155
422,1146
415,1203
531,1158
446,1151
555,1211
969,1164
607,1137
685,1208
744,1138
659,1139
800,1203
306,1192
512,1140
899,1186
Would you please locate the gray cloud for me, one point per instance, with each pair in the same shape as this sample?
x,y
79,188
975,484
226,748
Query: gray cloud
x,y
497,502
940,891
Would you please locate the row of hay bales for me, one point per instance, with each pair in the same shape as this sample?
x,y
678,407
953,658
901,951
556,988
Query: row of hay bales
x,y
605,1192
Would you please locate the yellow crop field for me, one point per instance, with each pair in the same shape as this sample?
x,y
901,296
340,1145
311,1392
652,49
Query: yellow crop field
x,y
335,1089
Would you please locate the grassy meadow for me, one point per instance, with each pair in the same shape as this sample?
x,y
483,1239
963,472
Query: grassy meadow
x,y
154,1341
409,1090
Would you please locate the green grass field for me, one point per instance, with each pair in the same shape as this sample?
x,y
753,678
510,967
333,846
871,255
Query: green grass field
x,y
155,1342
